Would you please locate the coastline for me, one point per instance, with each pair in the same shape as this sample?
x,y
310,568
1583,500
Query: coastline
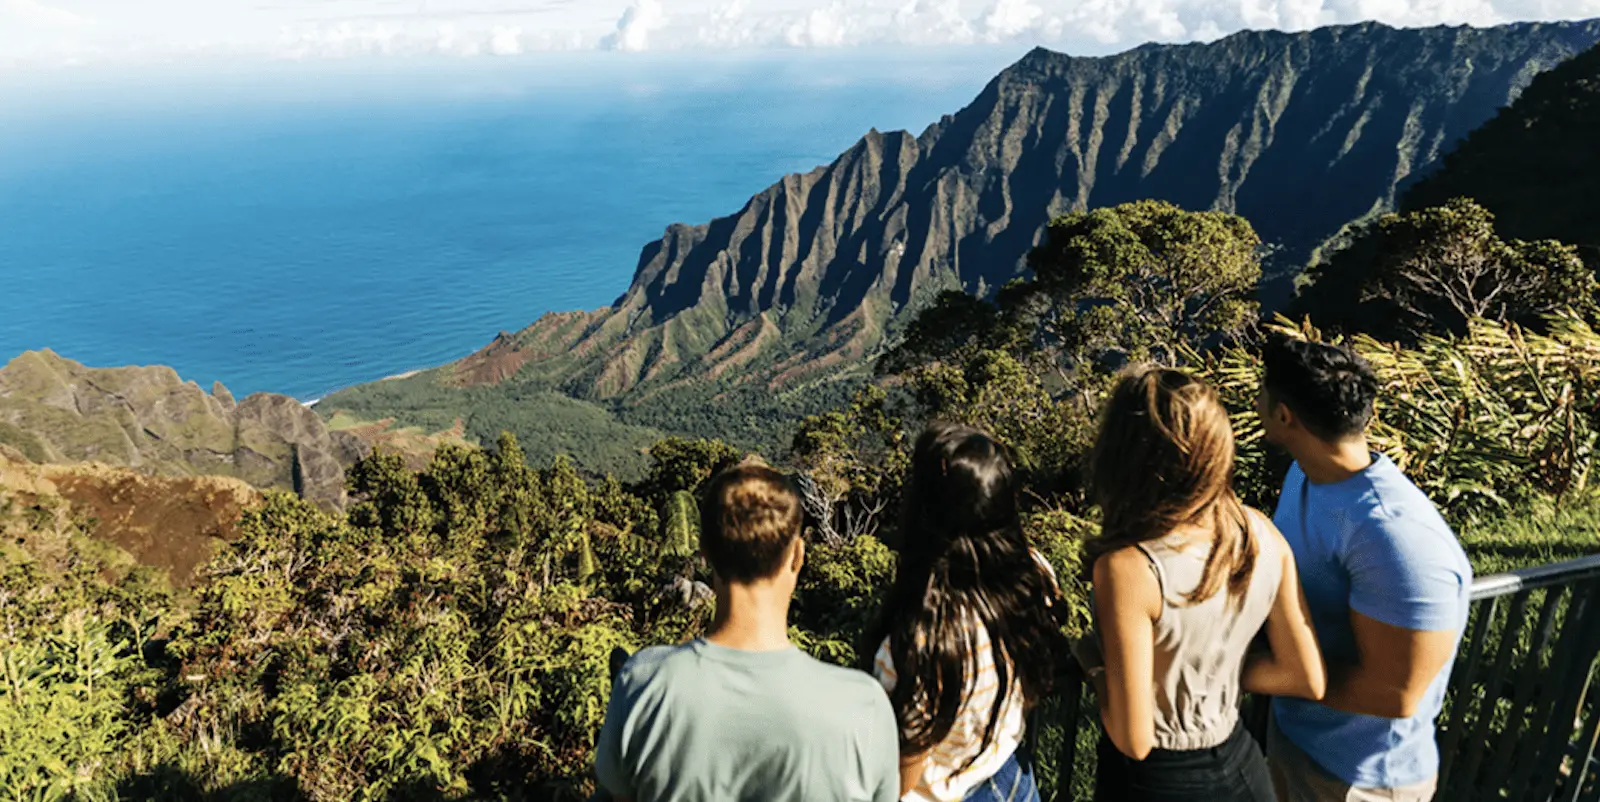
x,y
312,403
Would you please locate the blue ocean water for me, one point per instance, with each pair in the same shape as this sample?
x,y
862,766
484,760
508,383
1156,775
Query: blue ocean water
x,y
297,228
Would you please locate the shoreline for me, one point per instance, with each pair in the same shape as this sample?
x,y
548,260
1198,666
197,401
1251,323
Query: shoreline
x,y
312,403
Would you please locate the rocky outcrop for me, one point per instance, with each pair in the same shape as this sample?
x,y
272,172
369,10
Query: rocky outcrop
x,y
174,524
147,419
1300,133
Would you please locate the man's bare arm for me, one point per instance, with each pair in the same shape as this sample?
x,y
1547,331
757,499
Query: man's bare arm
x,y
1393,672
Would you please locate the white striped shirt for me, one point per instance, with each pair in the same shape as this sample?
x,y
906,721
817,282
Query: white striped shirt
x,y
941,781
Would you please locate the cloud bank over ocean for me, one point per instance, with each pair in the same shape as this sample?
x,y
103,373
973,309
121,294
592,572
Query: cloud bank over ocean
x,y
46,33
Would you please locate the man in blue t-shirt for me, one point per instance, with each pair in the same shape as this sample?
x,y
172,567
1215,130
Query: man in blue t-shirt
x,y
1386,580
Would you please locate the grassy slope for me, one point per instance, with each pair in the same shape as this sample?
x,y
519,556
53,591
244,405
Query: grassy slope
x,y
546,423
1543,533
603,437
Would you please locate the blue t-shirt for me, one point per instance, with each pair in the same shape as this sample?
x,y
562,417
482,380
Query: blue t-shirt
x,y
1375,544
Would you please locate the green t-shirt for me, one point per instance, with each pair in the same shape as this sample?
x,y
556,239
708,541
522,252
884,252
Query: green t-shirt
x,y
705,722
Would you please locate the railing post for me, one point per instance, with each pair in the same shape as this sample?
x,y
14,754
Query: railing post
x,y
1571,666
1067,756
1461,694
1527,681
1453,787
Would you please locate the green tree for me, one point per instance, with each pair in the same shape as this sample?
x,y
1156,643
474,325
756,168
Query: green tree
x,y
851,462
1133,282
952,324
678,463
1433,270
1007,396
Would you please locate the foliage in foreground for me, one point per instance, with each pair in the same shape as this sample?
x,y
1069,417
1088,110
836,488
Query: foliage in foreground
x,y
449,637
1496,418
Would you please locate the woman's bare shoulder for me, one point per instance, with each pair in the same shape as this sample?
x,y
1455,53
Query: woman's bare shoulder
x,y
1122,566
1266,529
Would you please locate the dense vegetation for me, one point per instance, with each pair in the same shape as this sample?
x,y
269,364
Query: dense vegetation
x,y
1440,268
605,437
448,636
550,423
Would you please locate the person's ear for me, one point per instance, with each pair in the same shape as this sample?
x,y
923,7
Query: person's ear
x,y
1281,414
798,559
1276,410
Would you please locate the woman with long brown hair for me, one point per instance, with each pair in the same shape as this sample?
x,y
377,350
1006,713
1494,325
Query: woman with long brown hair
x,y
1185,577
967,642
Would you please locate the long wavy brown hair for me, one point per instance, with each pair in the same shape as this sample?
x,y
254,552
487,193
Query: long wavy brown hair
x,y
964,561
1164,461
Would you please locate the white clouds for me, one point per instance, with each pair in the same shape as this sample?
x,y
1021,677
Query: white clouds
x,y
34,13
925,22
821,27
1010,18
53,32
506,40
633,30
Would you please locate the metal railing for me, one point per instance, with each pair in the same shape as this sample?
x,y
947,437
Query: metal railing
x,y
1519,723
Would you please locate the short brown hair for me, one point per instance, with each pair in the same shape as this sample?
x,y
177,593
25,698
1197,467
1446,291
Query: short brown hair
x,y
749,514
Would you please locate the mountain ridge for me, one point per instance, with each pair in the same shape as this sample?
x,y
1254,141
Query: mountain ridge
x,y
1301,133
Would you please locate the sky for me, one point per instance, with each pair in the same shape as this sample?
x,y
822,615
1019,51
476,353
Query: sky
x,y
53,34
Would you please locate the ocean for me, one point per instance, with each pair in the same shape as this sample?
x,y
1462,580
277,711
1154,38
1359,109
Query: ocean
x,y
302,227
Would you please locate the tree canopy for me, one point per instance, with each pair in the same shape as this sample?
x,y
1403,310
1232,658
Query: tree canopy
x,y
1434,270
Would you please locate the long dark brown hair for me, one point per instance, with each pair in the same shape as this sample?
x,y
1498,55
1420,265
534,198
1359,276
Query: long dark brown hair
x,y
964,560
1164,460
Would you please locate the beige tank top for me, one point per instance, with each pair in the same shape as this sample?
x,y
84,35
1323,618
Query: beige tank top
x,y
1200,648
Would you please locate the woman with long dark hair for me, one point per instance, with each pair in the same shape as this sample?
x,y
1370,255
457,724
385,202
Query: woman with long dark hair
x,y
967,642
1185,578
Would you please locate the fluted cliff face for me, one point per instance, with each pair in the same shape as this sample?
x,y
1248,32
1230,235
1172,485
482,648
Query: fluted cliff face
x,y
1536,165
1300,133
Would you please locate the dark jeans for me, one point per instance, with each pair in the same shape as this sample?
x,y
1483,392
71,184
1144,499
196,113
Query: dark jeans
x,y
1012,783
1233,771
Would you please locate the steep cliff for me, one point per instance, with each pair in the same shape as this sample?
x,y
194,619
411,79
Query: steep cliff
x,y
1536,165
1300,133
54,410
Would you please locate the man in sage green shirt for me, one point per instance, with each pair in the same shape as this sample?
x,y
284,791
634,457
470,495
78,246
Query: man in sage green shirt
x,y
742,714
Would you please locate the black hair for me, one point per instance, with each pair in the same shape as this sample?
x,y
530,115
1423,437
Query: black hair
x,y
964,562
1329,388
